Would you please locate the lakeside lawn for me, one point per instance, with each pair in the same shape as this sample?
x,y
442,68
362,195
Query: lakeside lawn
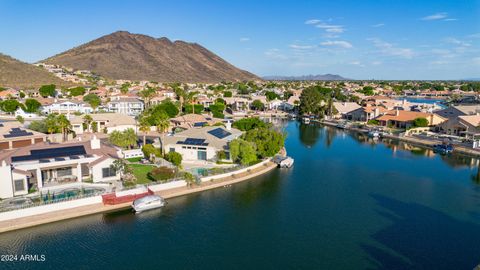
x,y
140,171
135,159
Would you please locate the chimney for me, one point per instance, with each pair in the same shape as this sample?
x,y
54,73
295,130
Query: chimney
x,y
397,112
228,125
95,142
376,112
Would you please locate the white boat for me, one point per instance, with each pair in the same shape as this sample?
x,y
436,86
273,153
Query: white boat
x,y
148,202
373,134
286,162
306,120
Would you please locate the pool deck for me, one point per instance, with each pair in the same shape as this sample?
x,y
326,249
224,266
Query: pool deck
x,y
36,220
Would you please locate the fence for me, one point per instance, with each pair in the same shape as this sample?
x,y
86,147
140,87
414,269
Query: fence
x,y
112,198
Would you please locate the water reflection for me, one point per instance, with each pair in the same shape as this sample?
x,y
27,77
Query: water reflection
x,y
310,134
418,226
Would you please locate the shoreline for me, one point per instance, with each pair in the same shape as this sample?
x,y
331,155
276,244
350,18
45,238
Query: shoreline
x,y
416,141
56,216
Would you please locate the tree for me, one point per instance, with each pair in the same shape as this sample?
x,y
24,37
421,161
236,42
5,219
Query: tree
x,y
147,95
420,122
311,101
217,110
77,91
47,90
32,105
190,98
227,94
124,139
268,142
64,125
120,167
10,105
246,124
174,157
87,120
189,178
242,151
163,122
144,128
271,95
258,105
51,123
124,88
149,150
20,119
93,100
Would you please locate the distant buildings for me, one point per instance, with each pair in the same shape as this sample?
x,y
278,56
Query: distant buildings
x,y
125,105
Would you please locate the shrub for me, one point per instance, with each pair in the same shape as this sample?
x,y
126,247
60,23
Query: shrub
x,y
149,149
374,122
161,174
420,122
174,157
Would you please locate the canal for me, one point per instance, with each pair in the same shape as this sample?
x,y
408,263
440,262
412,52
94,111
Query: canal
x,y
348,203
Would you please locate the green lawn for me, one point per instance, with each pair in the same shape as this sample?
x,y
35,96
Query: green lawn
x,y
140,171
135,159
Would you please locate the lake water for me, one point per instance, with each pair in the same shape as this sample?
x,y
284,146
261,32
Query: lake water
x,y
348,203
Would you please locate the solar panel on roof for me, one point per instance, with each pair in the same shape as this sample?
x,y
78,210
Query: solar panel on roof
x,y
39,154
193,141
74,157
17,132
199,124
59,159
219,133
44,160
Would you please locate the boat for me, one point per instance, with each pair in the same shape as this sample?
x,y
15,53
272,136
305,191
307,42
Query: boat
x,y
342,125
443,148
373,133
148,202
306,120
283,162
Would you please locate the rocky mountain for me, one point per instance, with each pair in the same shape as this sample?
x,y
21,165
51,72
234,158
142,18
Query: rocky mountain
x,y
122,55
17,74
325,77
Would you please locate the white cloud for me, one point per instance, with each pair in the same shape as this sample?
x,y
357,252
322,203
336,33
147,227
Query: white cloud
x,y
312,21
457,42
391,50
301,47
376,63
436,16
275,54
335,30
337,43
357,63
450,19
244,39
378,25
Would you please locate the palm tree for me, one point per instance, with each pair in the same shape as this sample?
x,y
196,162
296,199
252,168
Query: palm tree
x,y
144,128
51,123
163,122
191,97
147,95
87,120
129,137
64,125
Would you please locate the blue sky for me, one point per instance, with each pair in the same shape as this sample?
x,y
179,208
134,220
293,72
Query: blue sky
x,y
390,39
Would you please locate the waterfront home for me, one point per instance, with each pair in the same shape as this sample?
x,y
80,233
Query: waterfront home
x,y
14,135
456,111
470,126
125,105
201,143
191,120
105,122
404,119
238,103
343,108
363,114
67,107
45,165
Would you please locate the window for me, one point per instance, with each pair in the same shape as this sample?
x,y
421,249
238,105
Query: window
x,y
108,172
64,171
172,149
202,155
18,185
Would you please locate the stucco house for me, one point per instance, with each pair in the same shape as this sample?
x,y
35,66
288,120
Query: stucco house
x,y
404,119
201,143
106,122
46,165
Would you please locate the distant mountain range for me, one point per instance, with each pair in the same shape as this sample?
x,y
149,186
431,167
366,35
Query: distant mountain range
x,y
325,77
17,74
123,55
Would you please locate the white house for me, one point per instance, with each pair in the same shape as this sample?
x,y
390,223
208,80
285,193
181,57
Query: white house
x,y
67,107
126,105
201,143
46,165
106,122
